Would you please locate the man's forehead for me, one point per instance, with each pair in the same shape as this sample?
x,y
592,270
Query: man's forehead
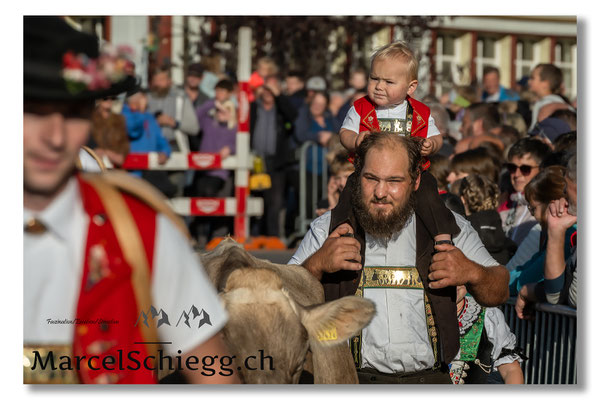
x,y
526,158
388,160
65,107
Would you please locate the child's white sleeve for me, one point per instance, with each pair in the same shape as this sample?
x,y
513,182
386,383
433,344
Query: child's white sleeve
x,y
432,130
501,337
352,120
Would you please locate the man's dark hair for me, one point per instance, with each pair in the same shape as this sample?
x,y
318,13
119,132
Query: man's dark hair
x,y
552,74
570,117
162,69
509,135
489,69
487,112
476,161
387,139
538,149
566,142
225,84
296,74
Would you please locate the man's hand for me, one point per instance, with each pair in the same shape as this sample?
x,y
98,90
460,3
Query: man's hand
x,y
449,267
559,220
162,158
273,88
524,303
338,252
165,120
426,147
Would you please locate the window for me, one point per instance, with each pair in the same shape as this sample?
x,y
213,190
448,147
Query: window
x,y
487,55
445,63
565,58
526,59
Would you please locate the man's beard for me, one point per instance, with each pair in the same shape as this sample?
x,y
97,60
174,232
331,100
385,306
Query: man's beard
x,y
379,225
160,92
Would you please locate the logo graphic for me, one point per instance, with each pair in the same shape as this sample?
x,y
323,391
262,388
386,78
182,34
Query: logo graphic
x,y
208,206
153,314
193,313
202,160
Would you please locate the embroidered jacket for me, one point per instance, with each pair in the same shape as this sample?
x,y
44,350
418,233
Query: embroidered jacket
x,y
418,124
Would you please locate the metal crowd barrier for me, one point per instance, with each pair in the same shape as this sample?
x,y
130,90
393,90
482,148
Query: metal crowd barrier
x,y
549,342
307,213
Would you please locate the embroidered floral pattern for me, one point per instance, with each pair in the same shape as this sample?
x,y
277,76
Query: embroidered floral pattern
x,y
468,315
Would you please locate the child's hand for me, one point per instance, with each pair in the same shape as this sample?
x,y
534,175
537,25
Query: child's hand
x,y
359,138
225,152
162,158
426,147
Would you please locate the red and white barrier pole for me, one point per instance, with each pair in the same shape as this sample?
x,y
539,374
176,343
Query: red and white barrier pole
x,y
241,228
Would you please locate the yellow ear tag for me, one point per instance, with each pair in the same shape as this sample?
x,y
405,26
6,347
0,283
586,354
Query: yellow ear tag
x,y
327,334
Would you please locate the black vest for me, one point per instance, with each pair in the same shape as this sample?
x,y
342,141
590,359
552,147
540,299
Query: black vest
x,y
443,301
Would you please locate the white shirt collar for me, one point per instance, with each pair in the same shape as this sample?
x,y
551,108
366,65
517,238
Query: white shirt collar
x,y
57,216
391,106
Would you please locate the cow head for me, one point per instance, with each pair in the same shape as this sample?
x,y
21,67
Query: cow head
x,y
277,317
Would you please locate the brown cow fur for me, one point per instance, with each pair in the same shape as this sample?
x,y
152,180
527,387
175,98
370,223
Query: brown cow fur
x,y
279,309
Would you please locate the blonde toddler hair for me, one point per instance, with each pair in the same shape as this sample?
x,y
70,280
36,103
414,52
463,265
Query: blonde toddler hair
x,y
401,52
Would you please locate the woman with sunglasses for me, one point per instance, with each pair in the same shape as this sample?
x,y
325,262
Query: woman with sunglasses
x,y
545,187
524,157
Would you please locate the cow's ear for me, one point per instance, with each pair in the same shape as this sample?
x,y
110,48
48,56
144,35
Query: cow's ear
x,y
337,321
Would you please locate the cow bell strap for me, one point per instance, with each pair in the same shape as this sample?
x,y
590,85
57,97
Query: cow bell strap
x,y
405,277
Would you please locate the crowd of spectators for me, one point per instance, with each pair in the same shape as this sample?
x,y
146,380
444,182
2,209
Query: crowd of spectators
x,y
505,167
506,162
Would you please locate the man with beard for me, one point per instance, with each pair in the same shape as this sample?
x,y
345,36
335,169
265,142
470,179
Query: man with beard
x,y
414,335
173,109
176,116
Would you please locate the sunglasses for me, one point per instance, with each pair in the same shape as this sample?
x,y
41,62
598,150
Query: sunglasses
x,y
525,169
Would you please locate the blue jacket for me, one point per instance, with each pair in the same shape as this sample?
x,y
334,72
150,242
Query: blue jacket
x,y
307,129
144,133
505,95
533,270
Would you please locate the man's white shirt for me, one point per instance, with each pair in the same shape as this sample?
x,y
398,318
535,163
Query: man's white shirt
x,y
396,340
53,267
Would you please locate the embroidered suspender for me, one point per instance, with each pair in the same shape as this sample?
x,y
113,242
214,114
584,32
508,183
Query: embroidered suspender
x,y
395,278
